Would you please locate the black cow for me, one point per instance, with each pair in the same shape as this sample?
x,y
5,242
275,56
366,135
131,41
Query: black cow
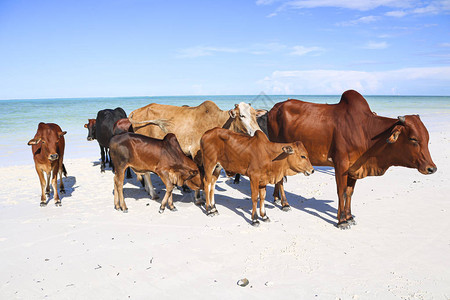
x,y
104,124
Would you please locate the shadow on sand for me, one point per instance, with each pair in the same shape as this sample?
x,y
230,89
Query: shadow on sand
x,y
69,186
243,207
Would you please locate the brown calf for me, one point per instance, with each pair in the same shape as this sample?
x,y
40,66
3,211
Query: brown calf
x,y
262,161
144,154
48,152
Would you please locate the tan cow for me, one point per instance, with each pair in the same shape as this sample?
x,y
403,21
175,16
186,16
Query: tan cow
x,y
190,123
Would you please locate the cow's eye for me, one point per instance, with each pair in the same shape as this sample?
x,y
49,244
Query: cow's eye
x,y
414,140
304,157
43,142
242,116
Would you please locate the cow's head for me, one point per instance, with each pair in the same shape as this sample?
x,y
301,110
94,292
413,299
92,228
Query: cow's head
x,y
297,158
244,119
185,169
409,139
46,142
91,129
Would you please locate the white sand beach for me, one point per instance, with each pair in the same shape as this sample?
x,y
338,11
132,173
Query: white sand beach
x,y
399,249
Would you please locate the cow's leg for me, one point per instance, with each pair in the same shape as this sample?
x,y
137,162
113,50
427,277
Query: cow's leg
x,y
118,188
149,186
116,192
55,184
43,186
276,193
254,185
102,164
106,155
111,164
348,199
61,183
262,209
129,173
168,196
284,203
209,168
237,177
341,183
47,188
212,187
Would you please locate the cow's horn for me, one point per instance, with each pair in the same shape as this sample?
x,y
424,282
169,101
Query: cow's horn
x,y
401,119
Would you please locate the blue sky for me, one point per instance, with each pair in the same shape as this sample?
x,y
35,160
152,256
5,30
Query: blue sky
x,y
81,48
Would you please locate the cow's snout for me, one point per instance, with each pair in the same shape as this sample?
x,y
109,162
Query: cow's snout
x,y
307,173
431,170
53,157
90,138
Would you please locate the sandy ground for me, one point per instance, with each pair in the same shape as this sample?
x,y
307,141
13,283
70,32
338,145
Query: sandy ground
x,y
399,249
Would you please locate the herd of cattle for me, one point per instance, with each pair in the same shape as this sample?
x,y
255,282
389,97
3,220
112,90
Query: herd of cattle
x,y
188,146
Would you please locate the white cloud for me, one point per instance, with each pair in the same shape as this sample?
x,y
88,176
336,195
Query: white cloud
x,y
362,5
400,7
362,20
302,50
318,82
198,51
396,13
376,45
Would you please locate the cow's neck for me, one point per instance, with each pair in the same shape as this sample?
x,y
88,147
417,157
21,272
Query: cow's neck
x,y
373,160
229,123
278,165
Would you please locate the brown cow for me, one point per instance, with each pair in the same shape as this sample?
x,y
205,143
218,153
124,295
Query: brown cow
x,y
145,154
121,126
351,138
262,161
190,123
48,153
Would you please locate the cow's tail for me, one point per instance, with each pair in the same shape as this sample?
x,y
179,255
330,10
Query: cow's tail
x,y
64,171
162,123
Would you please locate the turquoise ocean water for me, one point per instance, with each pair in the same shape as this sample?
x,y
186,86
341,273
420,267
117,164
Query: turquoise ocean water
x,y
19,118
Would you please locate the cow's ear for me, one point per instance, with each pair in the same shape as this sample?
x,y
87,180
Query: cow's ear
x,y
260,112
33,142
394,134
85,125
61,134
288,150
232,113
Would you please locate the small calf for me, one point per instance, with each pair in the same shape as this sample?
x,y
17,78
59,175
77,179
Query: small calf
x,y
262,161
144,154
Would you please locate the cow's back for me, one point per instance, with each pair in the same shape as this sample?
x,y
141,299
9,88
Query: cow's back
x,y
105,122
187,123
322,128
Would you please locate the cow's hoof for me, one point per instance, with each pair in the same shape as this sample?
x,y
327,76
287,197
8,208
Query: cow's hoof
x,y
155,197
286,208
58,203
173,209
344,225
266,219
43,204
351,221
47,194
161,210
63,191
277,201
125,210
212,212
255,223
